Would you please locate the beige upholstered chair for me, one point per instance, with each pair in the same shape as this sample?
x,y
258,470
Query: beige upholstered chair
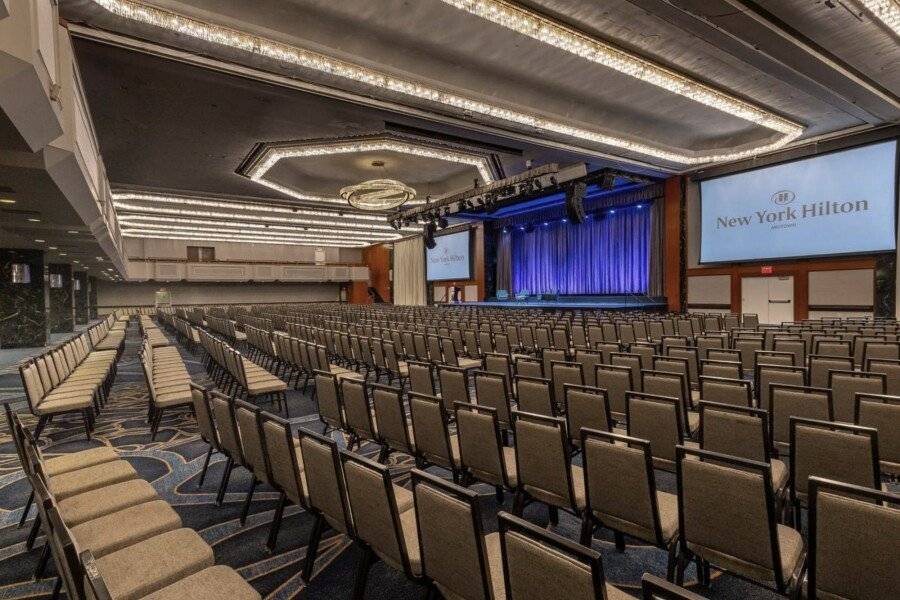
x,y
253,448
632,505
832,347
544,467
535,395
586,407
434,444
540,565
674,385
748,346
882,413
721,368
721,495
483,456
820,367
499,364
285,468
766,375
493,390
891,370
786,401
529,367
326,492
421,377
359,418
562,374
617,381
394,432
726,391
853,550
385,529
588,359
724,355
693,362
454,386
458,558
743,432
797,347
659,420
632,361
328,400
846,384
831,450
222,408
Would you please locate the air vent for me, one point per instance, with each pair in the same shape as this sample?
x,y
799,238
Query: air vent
x,y
17,211
5,189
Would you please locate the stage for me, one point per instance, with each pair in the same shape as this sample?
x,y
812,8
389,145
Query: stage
x,y
623,302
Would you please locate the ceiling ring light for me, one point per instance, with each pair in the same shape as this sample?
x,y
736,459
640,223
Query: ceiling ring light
x,y
301,57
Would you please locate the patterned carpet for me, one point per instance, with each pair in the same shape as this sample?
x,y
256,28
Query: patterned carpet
x,y
173,463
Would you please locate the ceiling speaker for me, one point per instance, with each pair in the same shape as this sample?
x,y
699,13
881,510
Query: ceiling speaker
x,y
428,234
575,202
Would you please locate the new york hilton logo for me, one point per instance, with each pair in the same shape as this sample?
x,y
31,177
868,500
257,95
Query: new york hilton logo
x,y
447,257
789,215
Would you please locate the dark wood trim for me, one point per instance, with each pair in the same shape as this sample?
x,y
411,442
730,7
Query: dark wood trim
x,y
842,307
291,263
692,305
178,305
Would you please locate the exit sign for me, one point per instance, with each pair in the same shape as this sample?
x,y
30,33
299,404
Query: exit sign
x,y
766,269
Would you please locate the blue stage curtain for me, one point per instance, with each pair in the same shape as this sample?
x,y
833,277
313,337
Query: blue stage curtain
x,y
608,255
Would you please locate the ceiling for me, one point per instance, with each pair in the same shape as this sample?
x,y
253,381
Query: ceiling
x,y
181,115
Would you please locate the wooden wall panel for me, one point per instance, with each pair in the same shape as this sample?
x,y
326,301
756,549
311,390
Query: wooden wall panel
x,y
673,242
378,259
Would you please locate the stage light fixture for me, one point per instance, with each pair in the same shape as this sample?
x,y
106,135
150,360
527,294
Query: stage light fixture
x,y
608,181
442,223
575,202
428,236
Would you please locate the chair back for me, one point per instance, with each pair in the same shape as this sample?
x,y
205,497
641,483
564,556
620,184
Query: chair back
x,y
788,401
563,374
846,384
481,449
630,505
891,370
390,414
376,518
222,408
820,366
429,423
722,368
543,460
328,398
535,395
281,452
325,480
588,359
832,450
735,430
656,419
853,533
736,392
540,565
586,407
246,416
882,412
454,386
451,538
766,375
357,409
493,390
617,381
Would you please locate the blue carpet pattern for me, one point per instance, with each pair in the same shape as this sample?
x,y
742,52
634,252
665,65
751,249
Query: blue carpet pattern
x,y
173,463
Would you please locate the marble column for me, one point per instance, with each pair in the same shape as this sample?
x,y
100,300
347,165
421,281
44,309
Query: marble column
x,y
23,315
62,305
92,297
80,288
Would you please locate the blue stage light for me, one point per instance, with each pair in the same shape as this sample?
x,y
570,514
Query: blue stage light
x,y
565,220
612,212
639,206
546,223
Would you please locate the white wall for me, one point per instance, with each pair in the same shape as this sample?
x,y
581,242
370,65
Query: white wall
x,y
137,248
144,293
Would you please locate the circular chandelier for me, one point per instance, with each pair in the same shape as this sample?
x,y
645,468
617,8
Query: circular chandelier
x,y
378,194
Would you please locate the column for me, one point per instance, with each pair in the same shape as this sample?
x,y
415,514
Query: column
x,y
80,289
62,301
23,319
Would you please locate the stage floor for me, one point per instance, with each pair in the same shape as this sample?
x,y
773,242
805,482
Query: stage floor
x,y
596,303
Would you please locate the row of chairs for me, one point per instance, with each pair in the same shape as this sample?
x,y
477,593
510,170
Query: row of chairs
x,y
111,536
74,377
239,375
168,382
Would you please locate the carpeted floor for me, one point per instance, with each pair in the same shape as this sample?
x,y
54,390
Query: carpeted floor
x,y
173,463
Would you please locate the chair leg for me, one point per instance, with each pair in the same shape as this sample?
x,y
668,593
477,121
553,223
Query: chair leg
x,y
42,561
587,530
362,574
57,588
519,503
205,467
229,465
32,535
383,453
670,565
42,422
276,523
246,509
620,540
27,509
287,411
154,426
554,515
312,548
498,494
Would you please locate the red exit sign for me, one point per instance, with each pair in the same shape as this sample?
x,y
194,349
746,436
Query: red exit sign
x,y
766,269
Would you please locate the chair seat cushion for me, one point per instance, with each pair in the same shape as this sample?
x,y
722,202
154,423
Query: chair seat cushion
x,y
55,405
96,503
58,465
469,363
214,583
140,570
91,478
266,386
174,398
126,527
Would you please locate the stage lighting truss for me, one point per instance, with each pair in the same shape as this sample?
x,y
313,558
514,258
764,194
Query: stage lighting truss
x,y
886,11
506,15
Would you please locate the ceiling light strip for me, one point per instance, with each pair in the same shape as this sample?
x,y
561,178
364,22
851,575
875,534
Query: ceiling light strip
x,y
574,42
248,206
251,229
301,57
273,155
203,238
124,206
245,238
886,11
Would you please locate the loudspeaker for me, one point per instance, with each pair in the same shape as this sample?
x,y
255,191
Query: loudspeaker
x,y
575,202
428,234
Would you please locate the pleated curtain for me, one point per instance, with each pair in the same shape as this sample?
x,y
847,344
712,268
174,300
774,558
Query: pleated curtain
x,y
409,272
